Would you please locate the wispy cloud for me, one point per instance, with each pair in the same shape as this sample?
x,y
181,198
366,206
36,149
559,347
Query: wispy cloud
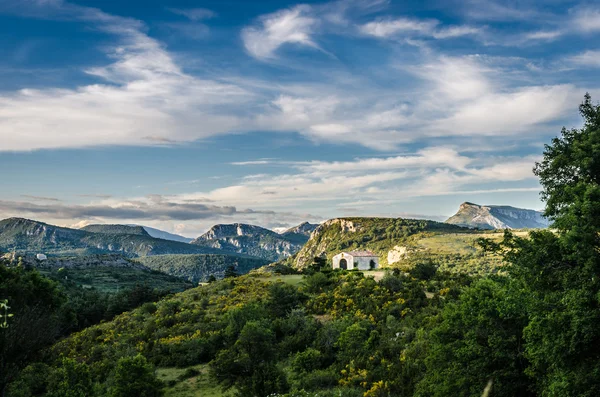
x,y
586,19
194,14
40,198
291,26
589,58
414,28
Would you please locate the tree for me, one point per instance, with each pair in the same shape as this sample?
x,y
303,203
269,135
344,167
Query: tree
x,y
71,379
250,364
37,305
134,376
478,339
561,270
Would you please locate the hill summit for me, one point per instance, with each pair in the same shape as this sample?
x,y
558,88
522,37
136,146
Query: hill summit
x,y
497,217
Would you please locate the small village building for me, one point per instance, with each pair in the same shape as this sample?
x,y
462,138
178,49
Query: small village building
x,y
361,260
41,257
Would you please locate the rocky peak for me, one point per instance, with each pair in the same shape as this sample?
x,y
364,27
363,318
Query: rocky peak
x,y
497,217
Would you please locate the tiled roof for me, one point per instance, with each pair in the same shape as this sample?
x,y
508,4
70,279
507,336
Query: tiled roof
x,y
362,253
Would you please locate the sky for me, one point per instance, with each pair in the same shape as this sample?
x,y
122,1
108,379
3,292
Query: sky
x,y
183,114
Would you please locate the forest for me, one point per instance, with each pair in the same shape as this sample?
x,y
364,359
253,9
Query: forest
x,y
531,330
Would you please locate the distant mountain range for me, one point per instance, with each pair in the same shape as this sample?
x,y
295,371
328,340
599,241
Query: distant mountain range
x,y
239,238
497,217
28,236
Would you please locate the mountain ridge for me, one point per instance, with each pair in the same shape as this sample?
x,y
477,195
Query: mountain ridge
x,y
30,236
497,217
251,240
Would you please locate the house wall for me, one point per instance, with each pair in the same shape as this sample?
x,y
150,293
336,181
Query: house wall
x,y
359,262
339,257
364,262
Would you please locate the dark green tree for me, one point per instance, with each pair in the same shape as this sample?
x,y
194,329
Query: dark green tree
x,y
39,318
71,379
478,339
561,270
134,376
250,364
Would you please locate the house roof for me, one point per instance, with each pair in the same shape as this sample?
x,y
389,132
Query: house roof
x,y
362,253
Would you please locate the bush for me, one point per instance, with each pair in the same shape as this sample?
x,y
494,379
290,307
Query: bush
x,y
134,376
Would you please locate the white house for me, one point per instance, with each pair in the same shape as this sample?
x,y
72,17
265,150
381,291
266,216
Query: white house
x,y
41,257
361,260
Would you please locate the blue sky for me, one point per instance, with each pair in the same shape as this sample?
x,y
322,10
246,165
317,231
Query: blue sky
x,y
183,114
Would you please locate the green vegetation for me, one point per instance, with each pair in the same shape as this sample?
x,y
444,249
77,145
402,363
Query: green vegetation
x,y
199,268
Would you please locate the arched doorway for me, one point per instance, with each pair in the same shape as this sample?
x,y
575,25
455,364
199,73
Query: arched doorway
x,y
343,264
372,264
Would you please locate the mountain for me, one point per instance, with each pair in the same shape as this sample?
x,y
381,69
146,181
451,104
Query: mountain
x,y
198,268
300,233
28,236
249,240
157,233
497,217
116,229
391,238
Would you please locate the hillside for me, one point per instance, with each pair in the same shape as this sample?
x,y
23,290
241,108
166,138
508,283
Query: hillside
x,y
250,240
497,217
106,273
398,242
198,268
28,236
306,337
116,229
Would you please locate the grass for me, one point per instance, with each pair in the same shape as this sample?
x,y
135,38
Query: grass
x,y
197,386
292,279
459,243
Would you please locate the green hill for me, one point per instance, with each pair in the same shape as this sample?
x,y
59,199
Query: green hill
x,y
399,243
198,268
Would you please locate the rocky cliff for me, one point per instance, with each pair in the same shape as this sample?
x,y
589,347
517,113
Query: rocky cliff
x,y
249,240
497,217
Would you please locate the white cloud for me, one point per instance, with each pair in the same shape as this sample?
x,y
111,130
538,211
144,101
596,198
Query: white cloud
x,y
385,28
510,113
408,28
586,19
544,35
587,58
292,26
